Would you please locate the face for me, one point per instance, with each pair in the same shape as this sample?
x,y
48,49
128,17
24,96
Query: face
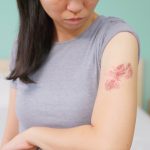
x,y
62,10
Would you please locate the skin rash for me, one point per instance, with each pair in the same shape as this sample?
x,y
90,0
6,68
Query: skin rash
x,y
123,71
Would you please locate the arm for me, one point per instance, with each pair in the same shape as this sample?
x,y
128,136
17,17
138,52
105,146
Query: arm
x,y
11,128
114,113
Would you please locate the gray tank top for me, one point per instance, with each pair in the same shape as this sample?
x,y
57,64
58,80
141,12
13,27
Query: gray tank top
x,y
67,83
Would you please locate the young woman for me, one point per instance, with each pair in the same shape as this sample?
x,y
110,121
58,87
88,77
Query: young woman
x,y
74,79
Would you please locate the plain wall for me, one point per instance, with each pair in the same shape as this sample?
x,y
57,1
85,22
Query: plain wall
x,y
136,13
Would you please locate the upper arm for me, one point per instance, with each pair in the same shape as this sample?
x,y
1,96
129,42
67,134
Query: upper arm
x,y
114,112
11,128
12,106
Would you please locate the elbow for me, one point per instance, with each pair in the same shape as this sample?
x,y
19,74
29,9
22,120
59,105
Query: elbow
x,y
106,145
105,142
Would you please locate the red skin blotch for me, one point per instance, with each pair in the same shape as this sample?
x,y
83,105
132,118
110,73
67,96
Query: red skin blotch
x,y
117,74
111,84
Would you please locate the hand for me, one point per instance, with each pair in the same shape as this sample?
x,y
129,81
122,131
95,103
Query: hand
x,y
19,142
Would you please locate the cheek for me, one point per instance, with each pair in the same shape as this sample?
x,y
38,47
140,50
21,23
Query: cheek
x,y
51,7
91,4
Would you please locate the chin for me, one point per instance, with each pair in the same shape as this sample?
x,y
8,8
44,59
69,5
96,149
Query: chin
x,y
73,26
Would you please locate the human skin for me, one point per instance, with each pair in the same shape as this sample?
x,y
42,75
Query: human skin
x,y
62,10
104,132
113,117
59,11
117,74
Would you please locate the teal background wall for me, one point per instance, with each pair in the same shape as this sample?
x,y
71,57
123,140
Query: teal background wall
x,y
136,13
8,26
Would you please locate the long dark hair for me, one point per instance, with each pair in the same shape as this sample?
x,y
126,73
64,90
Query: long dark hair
x,y
34,41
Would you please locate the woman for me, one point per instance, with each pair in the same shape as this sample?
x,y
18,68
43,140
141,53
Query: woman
x,y
74,78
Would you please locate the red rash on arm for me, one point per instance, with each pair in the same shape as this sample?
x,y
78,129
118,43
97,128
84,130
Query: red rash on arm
x,y
118,73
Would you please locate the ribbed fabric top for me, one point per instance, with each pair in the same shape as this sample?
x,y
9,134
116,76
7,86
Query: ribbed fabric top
x,y
67,83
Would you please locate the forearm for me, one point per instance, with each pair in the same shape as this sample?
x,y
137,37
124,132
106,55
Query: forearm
x,y
77,138
8,135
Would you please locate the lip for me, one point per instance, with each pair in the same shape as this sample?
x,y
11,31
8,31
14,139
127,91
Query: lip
x,y
74,20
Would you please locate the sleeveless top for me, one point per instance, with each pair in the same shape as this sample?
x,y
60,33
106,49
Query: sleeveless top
x,y
67,83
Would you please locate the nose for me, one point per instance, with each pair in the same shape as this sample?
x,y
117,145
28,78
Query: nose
x,y
75,6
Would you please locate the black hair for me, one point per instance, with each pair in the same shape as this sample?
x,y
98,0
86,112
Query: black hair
x,y
35,40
